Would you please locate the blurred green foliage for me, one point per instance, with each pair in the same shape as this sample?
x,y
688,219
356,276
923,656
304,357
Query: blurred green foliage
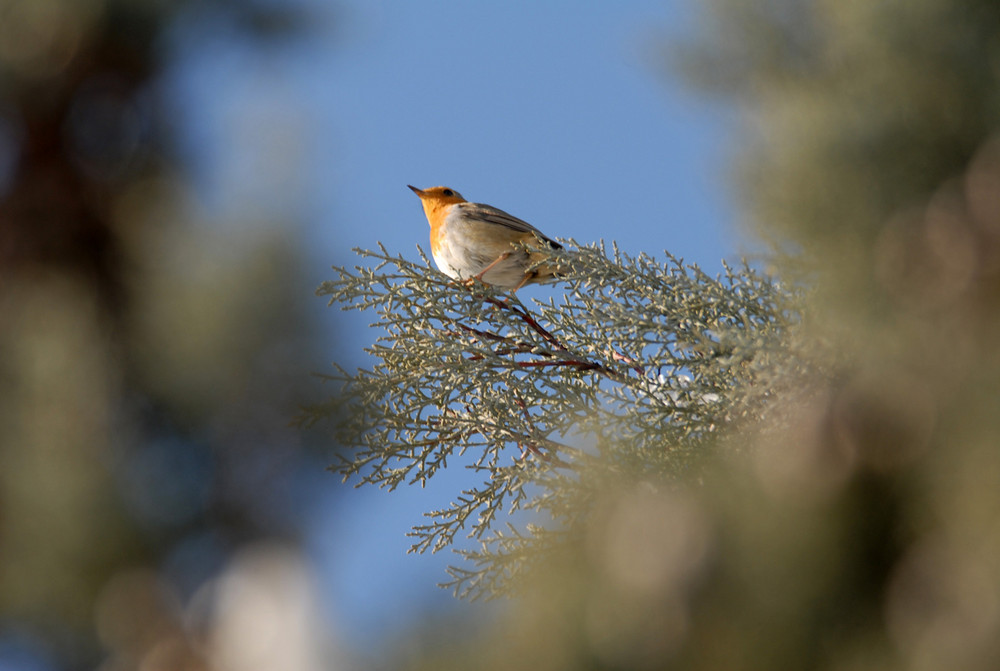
x,y
149,358
853,114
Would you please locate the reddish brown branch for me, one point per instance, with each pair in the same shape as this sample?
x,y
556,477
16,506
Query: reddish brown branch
x,y
573,363
526,317
521,347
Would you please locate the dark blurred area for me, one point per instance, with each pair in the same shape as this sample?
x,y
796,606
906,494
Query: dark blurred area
x,y
150,361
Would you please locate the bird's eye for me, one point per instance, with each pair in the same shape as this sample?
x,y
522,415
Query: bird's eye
x,y
447,192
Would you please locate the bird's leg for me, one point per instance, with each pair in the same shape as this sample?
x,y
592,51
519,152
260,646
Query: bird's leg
x,y
487,269
524,280
479,275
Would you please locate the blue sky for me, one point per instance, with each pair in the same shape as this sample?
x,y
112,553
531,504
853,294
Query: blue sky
x,y
550,111
558,112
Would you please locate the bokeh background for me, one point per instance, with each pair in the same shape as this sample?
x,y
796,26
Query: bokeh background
x,y
175,180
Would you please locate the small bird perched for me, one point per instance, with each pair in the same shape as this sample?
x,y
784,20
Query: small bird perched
x,y
472,240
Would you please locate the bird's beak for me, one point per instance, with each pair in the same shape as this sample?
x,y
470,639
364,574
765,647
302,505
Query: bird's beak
x,y
417,191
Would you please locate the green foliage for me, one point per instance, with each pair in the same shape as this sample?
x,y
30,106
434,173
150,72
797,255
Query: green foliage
x,y
629,376
853,112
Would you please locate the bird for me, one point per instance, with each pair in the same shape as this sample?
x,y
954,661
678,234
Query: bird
x,y
473,241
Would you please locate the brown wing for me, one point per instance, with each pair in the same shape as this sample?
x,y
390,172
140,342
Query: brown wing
x,y
497,216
